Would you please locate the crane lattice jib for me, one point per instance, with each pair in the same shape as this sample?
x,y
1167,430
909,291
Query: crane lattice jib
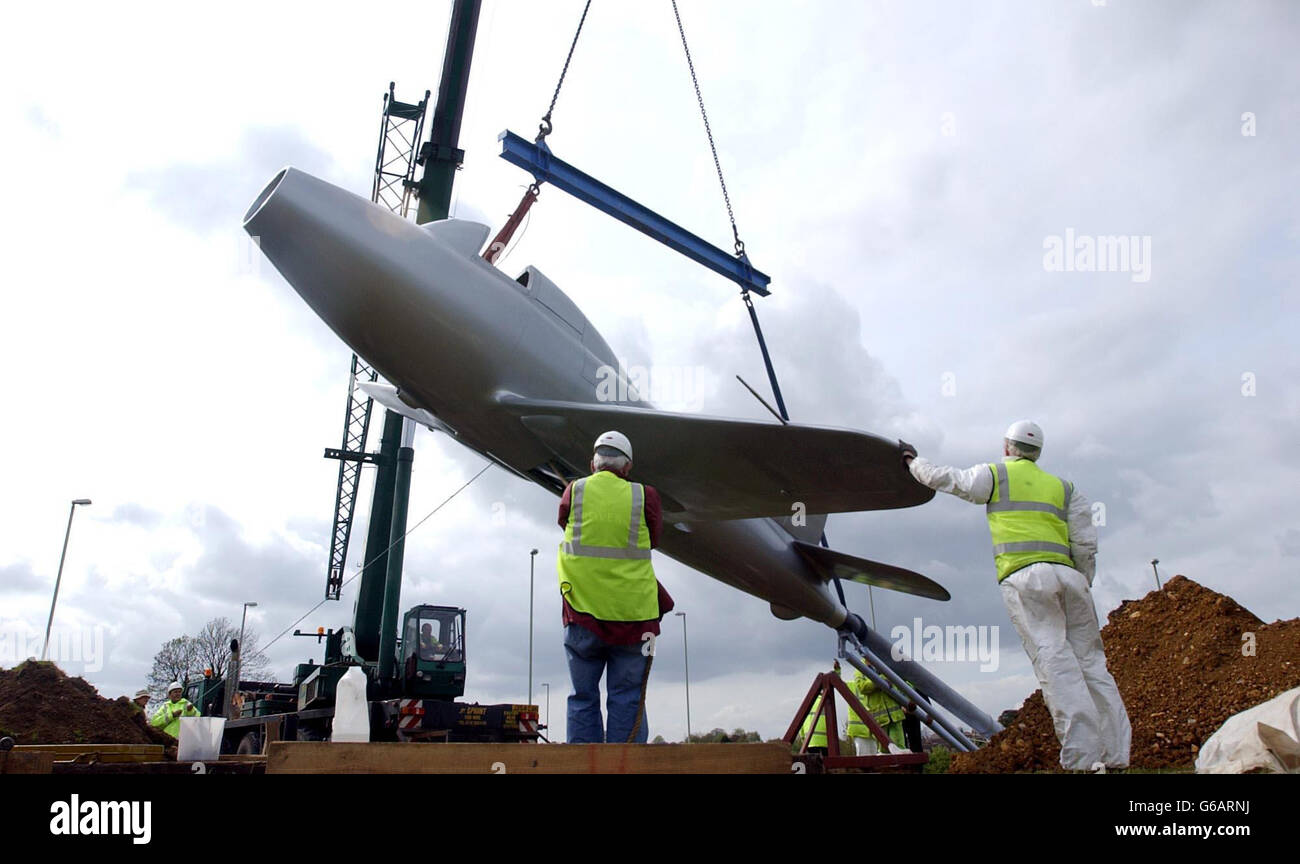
x,y
400,130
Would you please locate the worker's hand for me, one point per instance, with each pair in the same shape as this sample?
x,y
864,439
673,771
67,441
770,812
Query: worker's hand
x,y
909,452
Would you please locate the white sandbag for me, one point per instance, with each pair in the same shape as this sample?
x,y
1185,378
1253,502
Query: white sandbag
x,y
200,739
1263,738
351,709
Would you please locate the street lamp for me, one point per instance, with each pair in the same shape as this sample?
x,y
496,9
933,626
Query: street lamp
x,y
59,578
532,561
1154,562
242,621
547,722
236,670
687,657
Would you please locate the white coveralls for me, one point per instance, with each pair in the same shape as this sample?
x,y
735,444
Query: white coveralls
x,y
1052,610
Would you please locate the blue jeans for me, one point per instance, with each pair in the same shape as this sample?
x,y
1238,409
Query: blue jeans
x,y
628,669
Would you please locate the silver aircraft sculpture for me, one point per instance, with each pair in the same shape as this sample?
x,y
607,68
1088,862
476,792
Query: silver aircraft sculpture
x,y
510,368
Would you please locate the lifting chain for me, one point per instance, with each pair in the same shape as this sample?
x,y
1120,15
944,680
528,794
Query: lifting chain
x,y
740,246
545,127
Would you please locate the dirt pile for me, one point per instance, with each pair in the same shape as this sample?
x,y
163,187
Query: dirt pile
x,y
1184,660
39,704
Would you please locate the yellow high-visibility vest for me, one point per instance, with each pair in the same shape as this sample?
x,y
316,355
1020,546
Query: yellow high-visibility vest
x,y
818,733
604,562
884,710
1028,515
163,719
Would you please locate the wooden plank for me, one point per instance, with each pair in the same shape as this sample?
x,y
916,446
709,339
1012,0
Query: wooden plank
x,y
271,733
98,768
877,763
74,749
314,757
29,762
96,752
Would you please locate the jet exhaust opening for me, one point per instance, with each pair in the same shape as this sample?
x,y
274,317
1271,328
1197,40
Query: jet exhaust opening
x,y
265,195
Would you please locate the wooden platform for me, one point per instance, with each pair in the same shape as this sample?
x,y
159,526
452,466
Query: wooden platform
x,y
311,757
40,758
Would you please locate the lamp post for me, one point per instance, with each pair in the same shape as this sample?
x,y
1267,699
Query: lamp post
x,y
532,561
242,621
547,721
59,578
1154,562
236,665
686,656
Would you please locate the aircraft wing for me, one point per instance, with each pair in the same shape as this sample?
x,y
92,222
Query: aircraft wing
x,y
710,468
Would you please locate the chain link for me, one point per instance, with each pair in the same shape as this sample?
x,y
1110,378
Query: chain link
x,y
740,246
545,127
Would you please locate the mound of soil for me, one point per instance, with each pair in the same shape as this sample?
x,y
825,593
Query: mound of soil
x,y
1185,659
39,704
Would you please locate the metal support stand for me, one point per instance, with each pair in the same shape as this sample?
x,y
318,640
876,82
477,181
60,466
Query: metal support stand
x,y
827,684
901,692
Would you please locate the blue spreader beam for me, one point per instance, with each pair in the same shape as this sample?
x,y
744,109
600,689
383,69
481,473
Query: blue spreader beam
x,y
542,164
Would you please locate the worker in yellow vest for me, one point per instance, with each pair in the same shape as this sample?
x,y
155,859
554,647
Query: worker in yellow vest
x,y
1045,547
815,735
884,710
611,598
169,714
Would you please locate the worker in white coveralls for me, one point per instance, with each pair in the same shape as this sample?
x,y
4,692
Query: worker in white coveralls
x,y
1045,548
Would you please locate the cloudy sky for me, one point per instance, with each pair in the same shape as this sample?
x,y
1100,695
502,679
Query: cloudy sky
x,y
902,171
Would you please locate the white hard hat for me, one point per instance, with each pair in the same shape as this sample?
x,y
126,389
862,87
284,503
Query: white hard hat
x,y
175,685
140,693
617,440
1025,432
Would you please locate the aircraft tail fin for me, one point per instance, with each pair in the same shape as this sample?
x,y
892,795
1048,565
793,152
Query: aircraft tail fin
x,y
850,568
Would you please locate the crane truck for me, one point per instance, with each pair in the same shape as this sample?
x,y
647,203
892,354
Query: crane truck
x,y
415,701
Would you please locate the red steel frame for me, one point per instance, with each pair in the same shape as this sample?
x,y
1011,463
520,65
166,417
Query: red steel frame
x,y
826,684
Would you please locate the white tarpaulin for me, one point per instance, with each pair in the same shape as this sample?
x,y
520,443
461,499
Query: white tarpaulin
x,y
1263,738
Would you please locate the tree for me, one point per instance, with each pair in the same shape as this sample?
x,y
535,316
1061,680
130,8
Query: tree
x,y
177,660
721,736
186,657
213,650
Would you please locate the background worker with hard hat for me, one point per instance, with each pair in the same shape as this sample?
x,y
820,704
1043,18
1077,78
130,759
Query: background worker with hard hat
x,y
884,710
1045,548
169,714
140,700
612,600
815,735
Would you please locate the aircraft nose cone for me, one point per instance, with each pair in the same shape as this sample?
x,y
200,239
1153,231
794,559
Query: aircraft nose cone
x,y
349,258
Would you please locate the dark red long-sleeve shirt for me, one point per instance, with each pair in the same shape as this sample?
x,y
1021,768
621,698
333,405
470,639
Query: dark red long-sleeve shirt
x,y
622,632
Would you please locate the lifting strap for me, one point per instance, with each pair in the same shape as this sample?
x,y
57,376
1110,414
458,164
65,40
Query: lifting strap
x,y
502,240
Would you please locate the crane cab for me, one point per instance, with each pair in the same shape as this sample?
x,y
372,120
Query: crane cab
x,y
432,652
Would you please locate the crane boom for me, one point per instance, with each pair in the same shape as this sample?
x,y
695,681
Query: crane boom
x,y
400,131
